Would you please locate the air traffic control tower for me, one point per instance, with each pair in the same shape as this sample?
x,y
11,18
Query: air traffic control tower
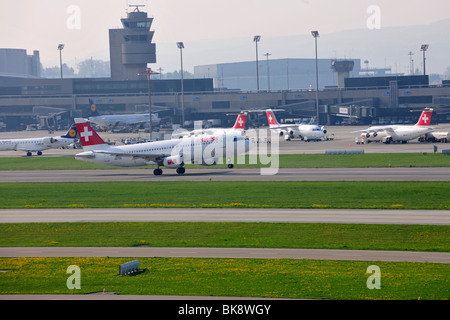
x,y
343,68
131,47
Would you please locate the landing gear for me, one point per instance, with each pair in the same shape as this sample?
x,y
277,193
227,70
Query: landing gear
x,y
230,166
157,172
181,170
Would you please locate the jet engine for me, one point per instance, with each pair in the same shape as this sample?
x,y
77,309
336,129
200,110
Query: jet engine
x,y
173,162
49,140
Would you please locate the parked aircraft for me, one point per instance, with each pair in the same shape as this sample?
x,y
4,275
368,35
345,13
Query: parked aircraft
x,y
237,129
39,144
111,121
399,133
306,132
204,150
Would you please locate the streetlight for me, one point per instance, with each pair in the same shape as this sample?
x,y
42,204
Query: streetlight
x,y
315,34
256,40
60,48
148,72
268,70
180,46
424,48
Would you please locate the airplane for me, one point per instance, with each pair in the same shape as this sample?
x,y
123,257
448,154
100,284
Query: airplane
x,y
237,129
399,133
173,154
306,132
39,144
108,121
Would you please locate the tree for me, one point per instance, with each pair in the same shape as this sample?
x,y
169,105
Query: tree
x,y
54,72
91,68
447,74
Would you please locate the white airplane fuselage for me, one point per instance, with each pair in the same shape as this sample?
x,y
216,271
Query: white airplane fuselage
x,y
34,144
396,133
204,150
125,119
303,131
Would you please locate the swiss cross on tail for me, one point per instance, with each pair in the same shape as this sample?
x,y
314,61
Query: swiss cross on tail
x,y
425,118
271,118
240,121
88,137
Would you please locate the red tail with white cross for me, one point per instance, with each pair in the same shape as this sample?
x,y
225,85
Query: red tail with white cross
x,y
271,118
88,136
240,121
425,117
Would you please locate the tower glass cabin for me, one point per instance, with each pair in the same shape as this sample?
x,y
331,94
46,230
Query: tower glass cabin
x,y
131,47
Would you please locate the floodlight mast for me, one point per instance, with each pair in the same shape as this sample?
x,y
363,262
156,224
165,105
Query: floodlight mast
x,y
424,48
148,72
60,48
315,34
180,46
256,39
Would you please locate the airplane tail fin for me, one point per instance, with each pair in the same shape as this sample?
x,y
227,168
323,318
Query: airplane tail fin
x,y
425,117
93,108
271,118
71,133
240,121
88,137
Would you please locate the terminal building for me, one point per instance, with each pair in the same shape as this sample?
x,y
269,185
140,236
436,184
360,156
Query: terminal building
x,y
218,91
276,74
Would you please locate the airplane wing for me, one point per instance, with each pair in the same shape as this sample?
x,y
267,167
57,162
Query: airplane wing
x,y
377,129
283,126
137,155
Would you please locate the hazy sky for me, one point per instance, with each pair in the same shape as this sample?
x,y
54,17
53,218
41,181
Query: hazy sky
x,y
82,25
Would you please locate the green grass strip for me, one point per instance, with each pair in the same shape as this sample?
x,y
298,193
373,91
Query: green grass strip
x,y
285,161
280,278
231,194
227,234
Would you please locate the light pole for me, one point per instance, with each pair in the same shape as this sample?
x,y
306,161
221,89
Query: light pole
x,y
60,48
424,48
180,46
268,70
148,72
411,68
256,40
315,34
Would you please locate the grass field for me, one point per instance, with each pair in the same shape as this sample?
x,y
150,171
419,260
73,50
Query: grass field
x,y
285,161
245,235
275,278
279,278
242,194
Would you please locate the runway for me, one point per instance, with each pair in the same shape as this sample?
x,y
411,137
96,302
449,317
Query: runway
x,y
229,253
359,216
441,217
237,174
